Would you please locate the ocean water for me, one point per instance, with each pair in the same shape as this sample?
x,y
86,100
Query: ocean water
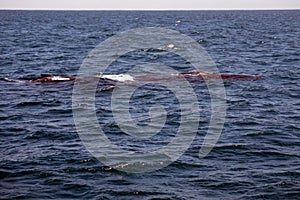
x,y
256,157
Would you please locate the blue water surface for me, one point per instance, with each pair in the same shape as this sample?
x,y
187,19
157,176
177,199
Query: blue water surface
x,y
257,156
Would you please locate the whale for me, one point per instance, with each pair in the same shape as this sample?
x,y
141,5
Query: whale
x,y
111,80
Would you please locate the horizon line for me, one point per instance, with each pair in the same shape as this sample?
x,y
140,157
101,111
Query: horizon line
x,y
202,9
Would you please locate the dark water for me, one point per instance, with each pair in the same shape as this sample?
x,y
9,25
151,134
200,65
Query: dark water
x,y
257,156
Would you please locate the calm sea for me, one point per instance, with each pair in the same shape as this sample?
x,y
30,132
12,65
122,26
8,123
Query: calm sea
x,y
256,157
